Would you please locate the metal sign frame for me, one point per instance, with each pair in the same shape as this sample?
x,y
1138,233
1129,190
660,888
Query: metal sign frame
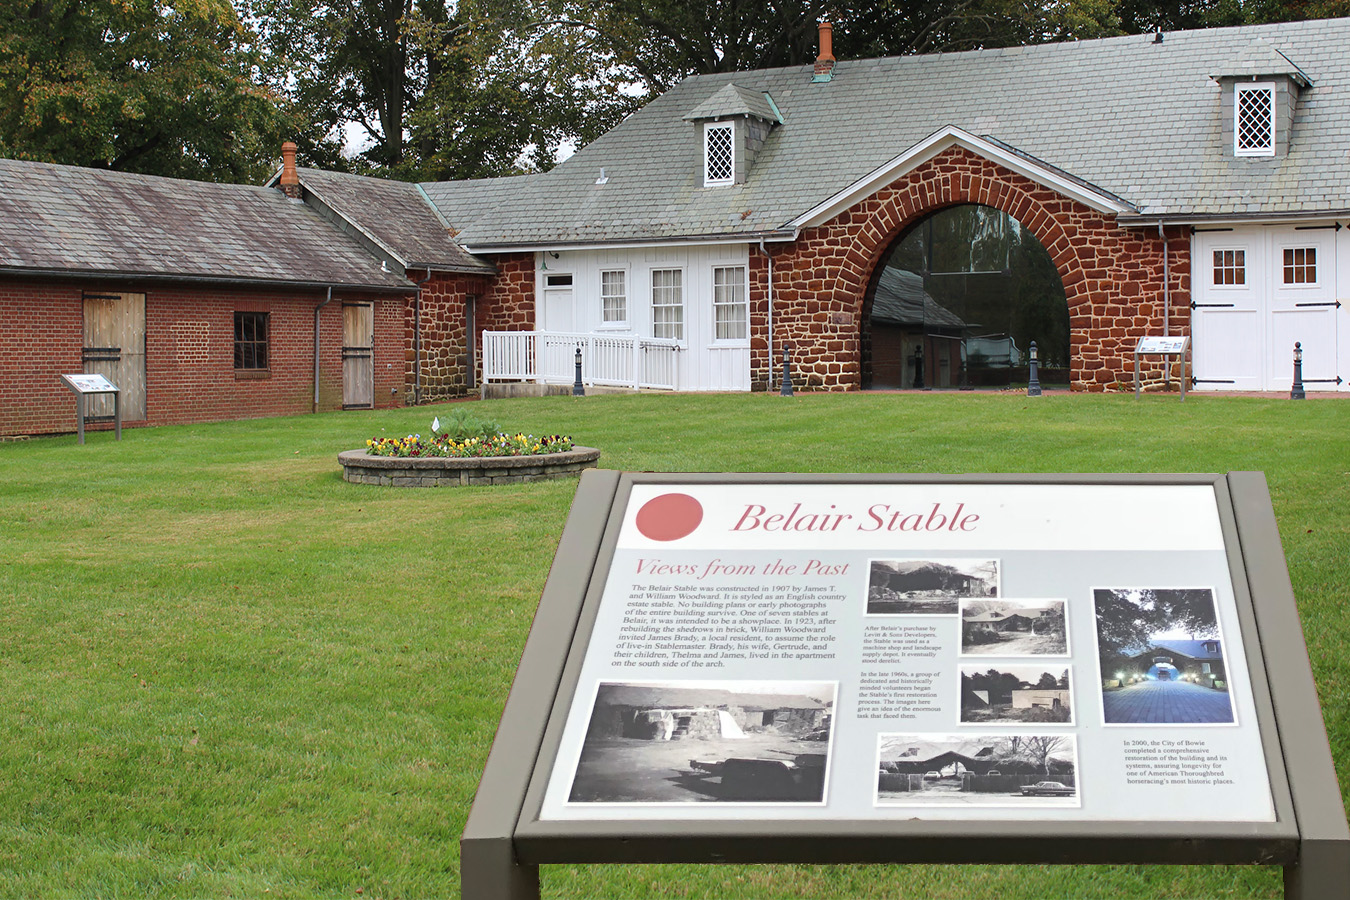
x,y
504,841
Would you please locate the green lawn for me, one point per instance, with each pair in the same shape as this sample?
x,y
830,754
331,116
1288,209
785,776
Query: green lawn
x,y
224,672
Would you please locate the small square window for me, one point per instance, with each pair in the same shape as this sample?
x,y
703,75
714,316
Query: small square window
x,y
613,297
719,154
730,311
250,340
1300,265
1230,266
1254,120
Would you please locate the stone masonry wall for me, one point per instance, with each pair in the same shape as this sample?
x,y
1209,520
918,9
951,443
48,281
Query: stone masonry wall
x,y
444,351
1112,276
508,304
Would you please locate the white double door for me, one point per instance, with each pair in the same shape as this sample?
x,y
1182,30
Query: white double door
x,y
1256,291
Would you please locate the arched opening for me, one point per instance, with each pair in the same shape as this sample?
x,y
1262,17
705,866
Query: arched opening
x,y
957,301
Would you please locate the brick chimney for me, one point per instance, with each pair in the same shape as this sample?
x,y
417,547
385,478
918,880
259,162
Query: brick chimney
x,y
290,179
825,61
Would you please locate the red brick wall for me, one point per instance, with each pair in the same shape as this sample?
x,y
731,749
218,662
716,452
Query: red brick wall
x,y
1112,276
189,344
443,349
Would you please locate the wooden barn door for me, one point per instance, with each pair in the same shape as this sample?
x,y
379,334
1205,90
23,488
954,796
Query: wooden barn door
x,y
114,347
358,355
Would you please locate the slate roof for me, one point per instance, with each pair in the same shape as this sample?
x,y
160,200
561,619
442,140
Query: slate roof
x,y
1134,118
733,100
395,215
64,219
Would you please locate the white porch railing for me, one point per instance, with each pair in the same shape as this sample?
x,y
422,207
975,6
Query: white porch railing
x,y
611,360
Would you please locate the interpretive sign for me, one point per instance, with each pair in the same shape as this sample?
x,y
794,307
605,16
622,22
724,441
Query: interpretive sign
x,y
805,668
83,385
1162,346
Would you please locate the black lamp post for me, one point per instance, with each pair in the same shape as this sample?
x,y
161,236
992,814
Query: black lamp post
x,y
578,389
1297,392
1034,382
785,390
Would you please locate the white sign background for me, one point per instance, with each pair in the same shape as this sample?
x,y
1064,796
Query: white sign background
x,y
1052,541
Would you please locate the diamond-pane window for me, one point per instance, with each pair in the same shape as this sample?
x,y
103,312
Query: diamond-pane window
x,y
1300,265
719,154
1254,122
1230,266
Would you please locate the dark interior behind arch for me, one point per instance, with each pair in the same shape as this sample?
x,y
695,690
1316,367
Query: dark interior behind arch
x,y
957,301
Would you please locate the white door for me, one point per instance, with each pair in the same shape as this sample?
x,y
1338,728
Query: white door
x,y
1227,311
559,354
1257,292
1303,309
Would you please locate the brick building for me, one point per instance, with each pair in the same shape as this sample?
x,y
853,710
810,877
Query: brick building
x,y
903,222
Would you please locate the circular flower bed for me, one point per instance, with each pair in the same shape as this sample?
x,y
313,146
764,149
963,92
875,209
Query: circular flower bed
x,y
468,452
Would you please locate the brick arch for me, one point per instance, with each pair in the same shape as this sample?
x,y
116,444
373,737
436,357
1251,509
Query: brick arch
x,y
1109,273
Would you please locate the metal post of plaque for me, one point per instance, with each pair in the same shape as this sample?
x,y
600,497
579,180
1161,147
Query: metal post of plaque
x,y
1165,347
85,385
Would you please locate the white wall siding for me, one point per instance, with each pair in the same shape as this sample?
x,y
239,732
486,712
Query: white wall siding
x,y
705,364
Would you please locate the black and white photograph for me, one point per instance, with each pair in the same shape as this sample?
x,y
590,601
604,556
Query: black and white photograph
x,y
1014,628
1018,770
672,742
928,586
1161,657
1008,694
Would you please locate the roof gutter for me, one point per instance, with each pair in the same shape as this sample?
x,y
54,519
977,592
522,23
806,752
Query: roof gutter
x,y
226,280
750,237
1137,220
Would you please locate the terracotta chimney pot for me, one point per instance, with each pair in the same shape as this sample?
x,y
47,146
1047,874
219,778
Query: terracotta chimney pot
x,y
825,61
290,178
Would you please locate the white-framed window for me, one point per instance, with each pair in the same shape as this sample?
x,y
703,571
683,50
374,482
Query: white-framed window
x,y
668,303
1254,119
1300,265
1230,267
719,153
614,297
731,312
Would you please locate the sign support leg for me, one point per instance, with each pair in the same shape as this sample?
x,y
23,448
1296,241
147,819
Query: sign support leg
x,y
117,413
79,403
1323,870
488,871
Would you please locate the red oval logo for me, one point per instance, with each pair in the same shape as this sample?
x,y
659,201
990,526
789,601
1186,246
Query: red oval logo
x,y
669,517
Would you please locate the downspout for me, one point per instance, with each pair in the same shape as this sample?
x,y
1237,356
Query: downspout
x,y
316,346
765,250
417,340
1167,283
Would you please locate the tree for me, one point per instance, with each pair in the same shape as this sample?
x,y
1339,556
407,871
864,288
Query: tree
x,y
153,86
1128,619
1039,748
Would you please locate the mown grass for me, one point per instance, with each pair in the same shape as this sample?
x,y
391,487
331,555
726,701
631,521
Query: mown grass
x,y
224,672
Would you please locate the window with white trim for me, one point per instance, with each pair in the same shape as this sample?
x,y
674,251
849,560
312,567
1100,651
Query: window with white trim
x,y
1300,265
719,153
614,297
1230,267
668,303
730,310
1254,119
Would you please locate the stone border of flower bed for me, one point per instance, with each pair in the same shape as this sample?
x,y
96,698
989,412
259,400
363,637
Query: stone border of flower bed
x,y
359,467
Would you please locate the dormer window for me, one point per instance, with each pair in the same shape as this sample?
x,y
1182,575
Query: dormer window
x,y
719,153
1254,120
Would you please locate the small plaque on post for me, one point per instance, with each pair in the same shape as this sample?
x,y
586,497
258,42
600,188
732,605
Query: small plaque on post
x,y
1162,346
83,384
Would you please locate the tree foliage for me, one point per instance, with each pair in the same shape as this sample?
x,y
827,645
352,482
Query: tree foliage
x,y
168,88
1128,619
